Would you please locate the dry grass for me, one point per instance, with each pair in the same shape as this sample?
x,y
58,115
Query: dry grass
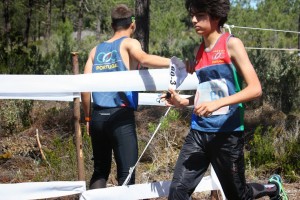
x,y
54,122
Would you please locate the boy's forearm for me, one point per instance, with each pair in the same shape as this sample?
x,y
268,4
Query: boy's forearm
x,y
153,61
86,103
189,101
183,102
247,94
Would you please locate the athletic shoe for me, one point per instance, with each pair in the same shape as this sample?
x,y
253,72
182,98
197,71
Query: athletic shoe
x,y
281,194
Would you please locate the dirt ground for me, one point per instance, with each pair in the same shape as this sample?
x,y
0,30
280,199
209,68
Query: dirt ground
x,y
21,165
292,190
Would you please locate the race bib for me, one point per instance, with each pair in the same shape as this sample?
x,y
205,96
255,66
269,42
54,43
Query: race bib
x,y
210,91
177,73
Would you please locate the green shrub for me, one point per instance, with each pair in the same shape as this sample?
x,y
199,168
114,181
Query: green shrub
x,y
15,115
290,161
270,152
173,115
61,159
262,149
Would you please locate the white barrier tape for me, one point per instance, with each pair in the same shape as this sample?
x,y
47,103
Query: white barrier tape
x,y
143,191
151,99
41,190
136,80
62,87
144,98
67,96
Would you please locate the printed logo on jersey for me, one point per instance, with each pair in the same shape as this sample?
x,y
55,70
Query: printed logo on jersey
x,y
218,56
107,60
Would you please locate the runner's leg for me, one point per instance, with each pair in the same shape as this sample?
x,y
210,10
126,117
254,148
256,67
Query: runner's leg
x,y
227,158
125,144
102,150
191,165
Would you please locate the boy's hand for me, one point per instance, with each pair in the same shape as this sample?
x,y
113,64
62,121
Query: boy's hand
x,y
206,109
171,98
190,66
88,128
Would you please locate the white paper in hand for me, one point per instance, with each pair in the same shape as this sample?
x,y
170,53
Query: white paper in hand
x,y
177,73
210,91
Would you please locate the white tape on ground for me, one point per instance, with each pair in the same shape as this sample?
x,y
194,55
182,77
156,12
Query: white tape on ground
x,y
143,191
41,190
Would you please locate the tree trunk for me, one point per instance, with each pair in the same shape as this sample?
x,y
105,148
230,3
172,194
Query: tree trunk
x,y
28,22
63,11
98,28
39,30
7,26
142,13
299,34
79,27
48,23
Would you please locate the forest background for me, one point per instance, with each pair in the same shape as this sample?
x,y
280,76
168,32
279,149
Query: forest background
x,y
38,36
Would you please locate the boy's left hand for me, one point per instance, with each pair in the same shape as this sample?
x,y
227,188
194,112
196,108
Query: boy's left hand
x,y
205,109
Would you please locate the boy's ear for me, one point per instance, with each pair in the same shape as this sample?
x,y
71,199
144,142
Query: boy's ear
x,y
133,26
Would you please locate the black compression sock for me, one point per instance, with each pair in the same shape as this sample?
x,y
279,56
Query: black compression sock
x,y
100,183
260,190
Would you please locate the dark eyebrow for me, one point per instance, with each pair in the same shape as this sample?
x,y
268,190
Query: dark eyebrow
x,y
196,13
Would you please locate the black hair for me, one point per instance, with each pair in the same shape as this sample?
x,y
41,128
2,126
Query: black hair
x,y
121,17
216,9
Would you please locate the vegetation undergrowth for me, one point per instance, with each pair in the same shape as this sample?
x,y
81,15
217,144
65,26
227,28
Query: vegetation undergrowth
x,y
267,157
273,148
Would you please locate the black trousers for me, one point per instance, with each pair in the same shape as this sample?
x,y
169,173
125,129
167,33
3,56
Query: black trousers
x,y
224,151
113,129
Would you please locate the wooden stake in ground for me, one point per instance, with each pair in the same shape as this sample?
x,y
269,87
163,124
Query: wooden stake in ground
x,y
39,145
76,117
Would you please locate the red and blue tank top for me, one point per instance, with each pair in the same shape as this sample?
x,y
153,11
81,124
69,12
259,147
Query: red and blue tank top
x,y
218,78
108,59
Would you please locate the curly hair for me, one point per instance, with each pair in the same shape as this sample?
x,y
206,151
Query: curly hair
x,y
217,9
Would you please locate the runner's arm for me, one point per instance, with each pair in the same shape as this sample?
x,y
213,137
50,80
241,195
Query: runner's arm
x,y
86,96
174,99
244,67
147,60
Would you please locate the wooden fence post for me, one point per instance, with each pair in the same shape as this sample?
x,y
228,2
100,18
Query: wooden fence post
x,y
77,129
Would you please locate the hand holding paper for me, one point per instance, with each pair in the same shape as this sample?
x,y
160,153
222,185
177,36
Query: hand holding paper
x,y
178,74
